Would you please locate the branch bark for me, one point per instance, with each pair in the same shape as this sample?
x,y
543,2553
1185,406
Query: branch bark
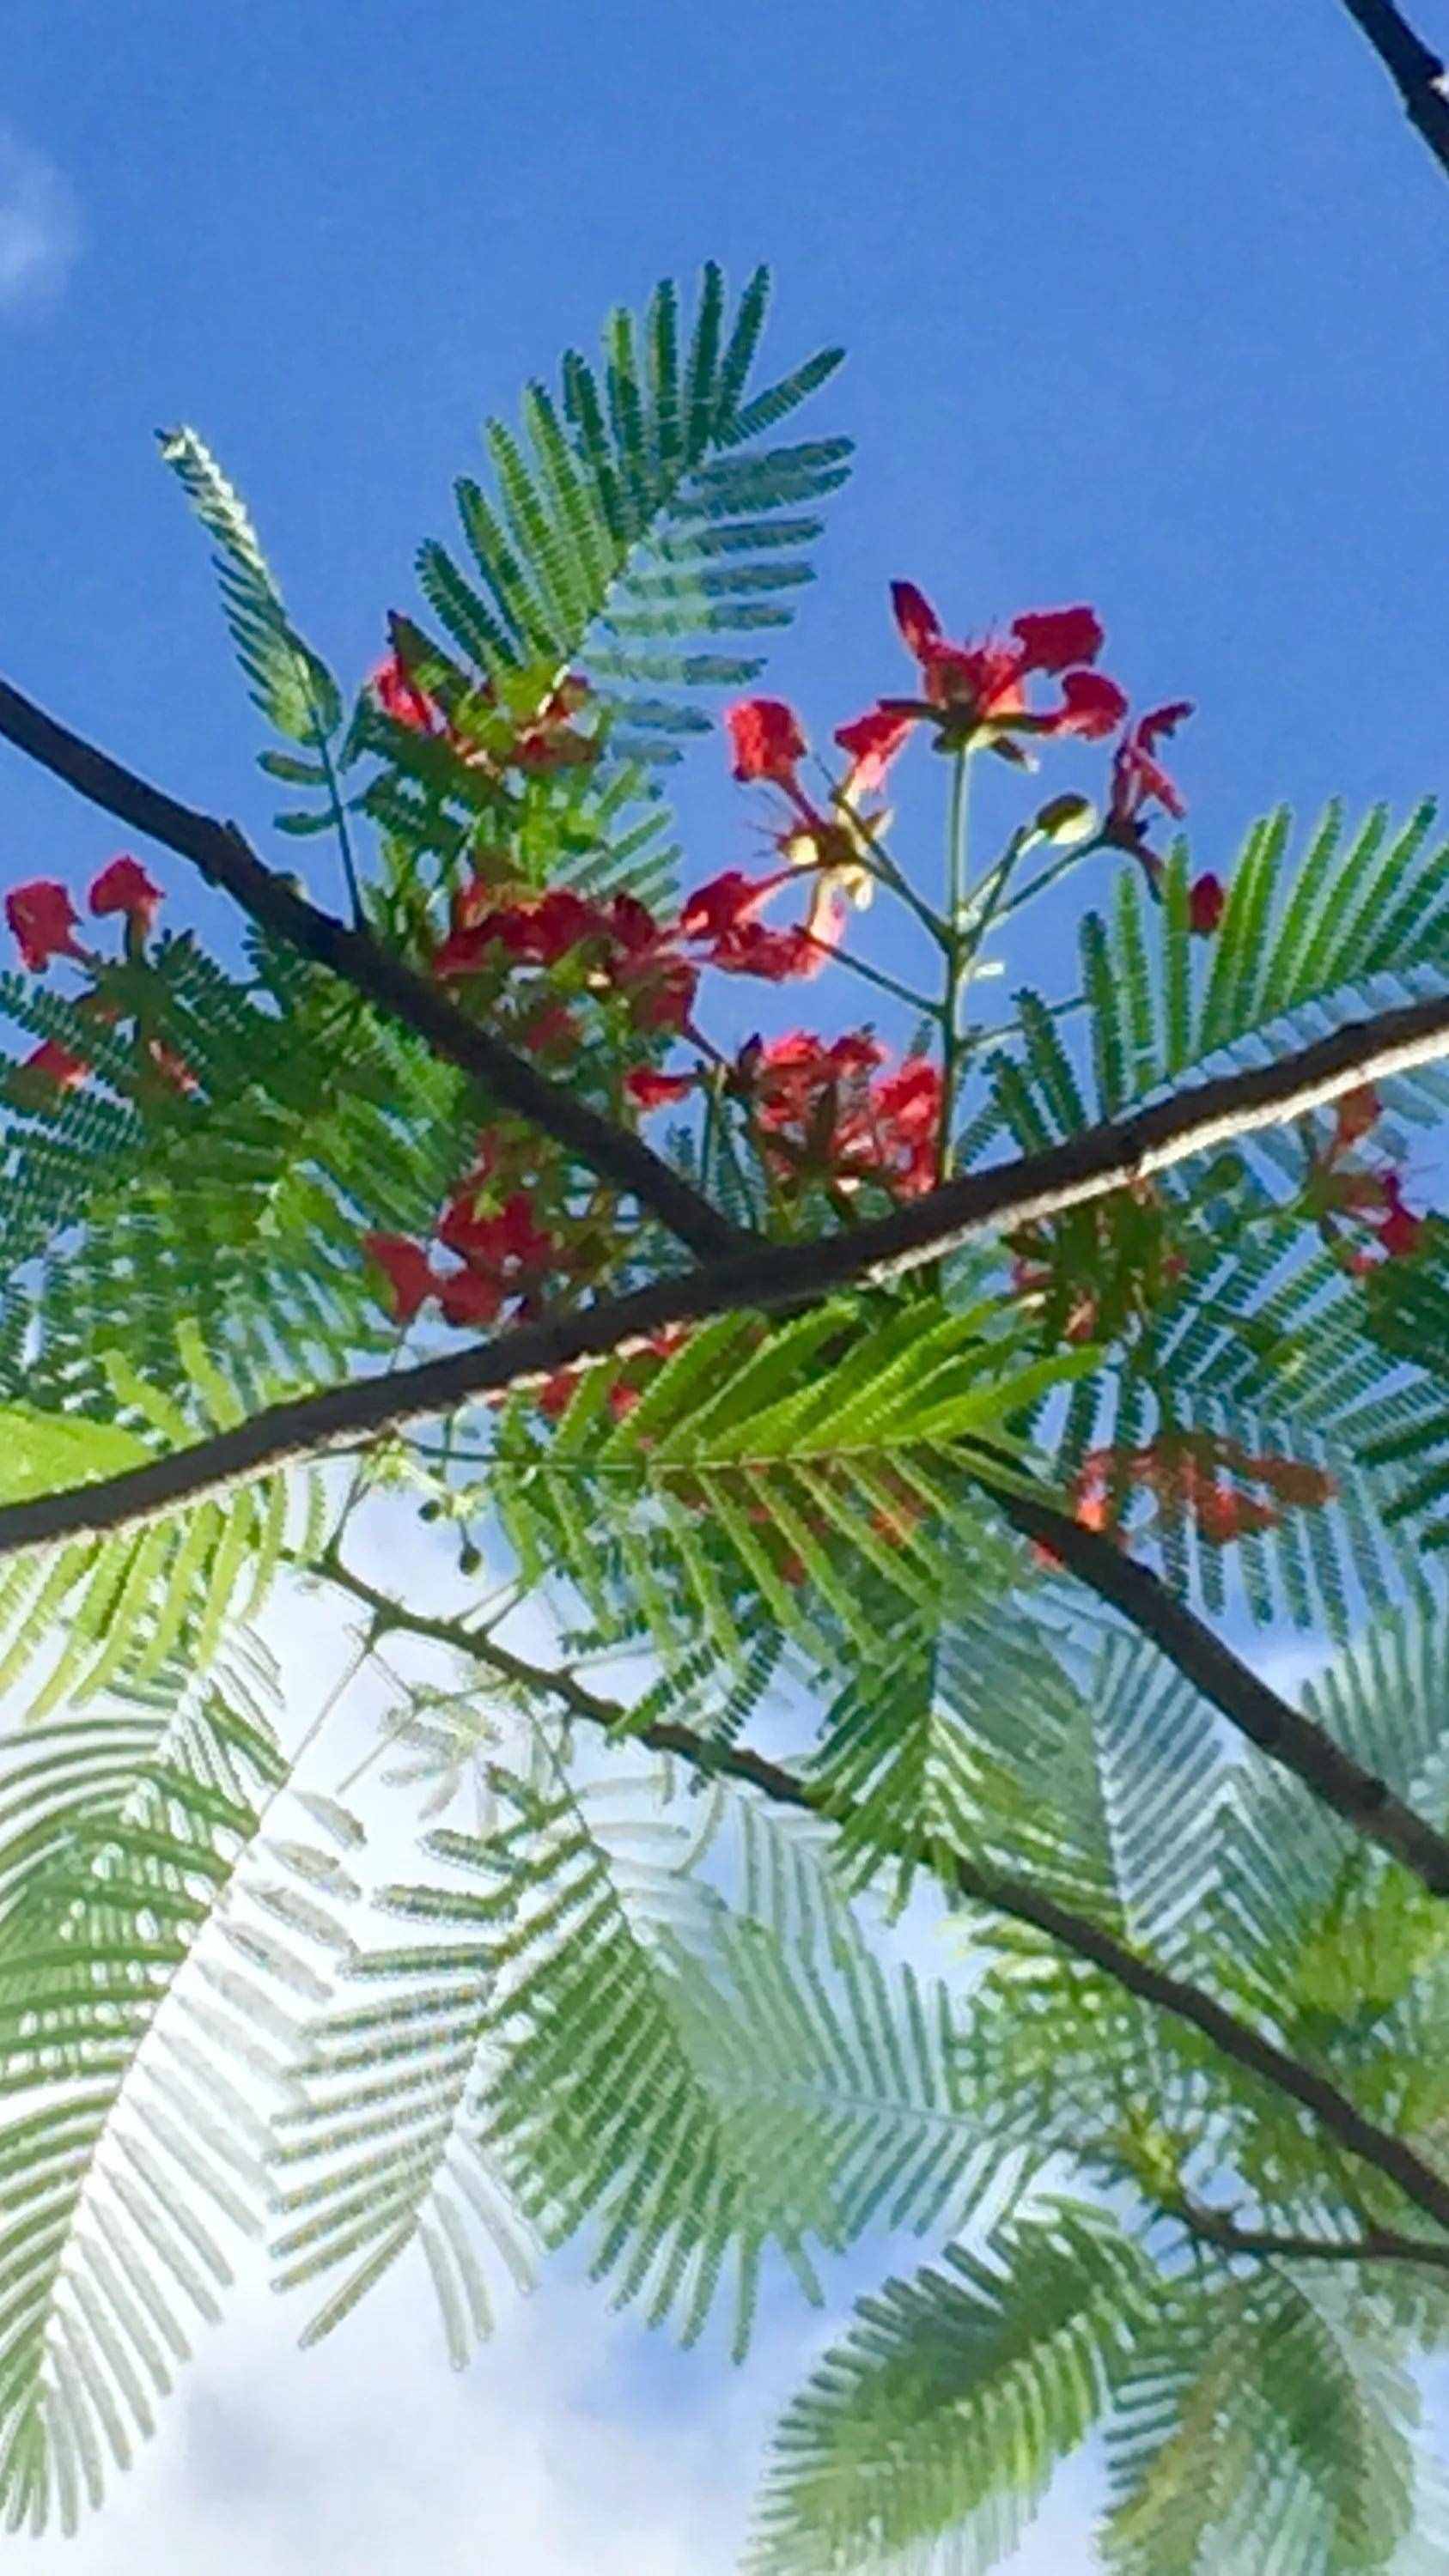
x,y
1360,1797
1417,74
1003,1894
226,859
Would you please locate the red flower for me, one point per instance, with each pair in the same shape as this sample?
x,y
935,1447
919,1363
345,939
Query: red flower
x,y
777,956
406,1265
720,908
551,1031
1186,1474
980,688
829,1102
724,913
55,1064
1091,705
44,921
633,925
646,968
1206,897
660,991
471,1297
1401,1231
1223,1513
1355,1112
399,696
489,1241
906,1107
872,743
125,887
1139,780
653,1090
539,930
768,740
1295,1481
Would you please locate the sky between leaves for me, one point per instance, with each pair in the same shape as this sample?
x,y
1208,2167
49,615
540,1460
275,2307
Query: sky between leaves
x,y
1144,304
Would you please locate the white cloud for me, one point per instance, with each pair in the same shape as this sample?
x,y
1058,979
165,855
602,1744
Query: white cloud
x,y
39,225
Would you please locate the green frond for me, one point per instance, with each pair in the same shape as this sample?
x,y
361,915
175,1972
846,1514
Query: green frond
x,y
601,2114
750,1478
286,679
851,2066
141,1968
242,1204
1262,2425
628,521
382,2151
928,2438
103,1613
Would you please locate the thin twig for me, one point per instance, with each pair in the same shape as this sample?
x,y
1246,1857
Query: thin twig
x,y
1375,2245
968,1879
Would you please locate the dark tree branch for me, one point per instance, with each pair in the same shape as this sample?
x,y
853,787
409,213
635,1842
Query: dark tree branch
x,y
223,856
1417,74
960,1877
1364,1801
1376,2245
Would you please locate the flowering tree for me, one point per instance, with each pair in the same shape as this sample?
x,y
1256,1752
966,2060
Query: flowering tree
x,y
922,1384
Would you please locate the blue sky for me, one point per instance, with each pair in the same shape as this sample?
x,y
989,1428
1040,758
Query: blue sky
x,y
1145,303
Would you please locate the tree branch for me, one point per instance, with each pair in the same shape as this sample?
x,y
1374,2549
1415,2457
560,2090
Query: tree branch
x,y
1376,2245
226,859
1417,74
960,1877
1364,1801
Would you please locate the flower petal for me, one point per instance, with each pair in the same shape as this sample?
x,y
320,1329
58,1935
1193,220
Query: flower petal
x,y
1056,639
920,627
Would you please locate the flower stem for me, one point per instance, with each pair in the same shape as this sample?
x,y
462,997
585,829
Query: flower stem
x,y
875,856
918,1002
960,948
1048,876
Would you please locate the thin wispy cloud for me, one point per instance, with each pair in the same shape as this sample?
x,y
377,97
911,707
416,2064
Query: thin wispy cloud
x,y
39,226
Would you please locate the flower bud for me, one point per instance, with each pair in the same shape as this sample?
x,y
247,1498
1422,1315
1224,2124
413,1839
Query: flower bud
x,y
1066,820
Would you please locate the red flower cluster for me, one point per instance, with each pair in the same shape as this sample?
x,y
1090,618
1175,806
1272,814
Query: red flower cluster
x,y
44,923
1335,1187
545,739
1186,1473
505,1257
825,1109
618,948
